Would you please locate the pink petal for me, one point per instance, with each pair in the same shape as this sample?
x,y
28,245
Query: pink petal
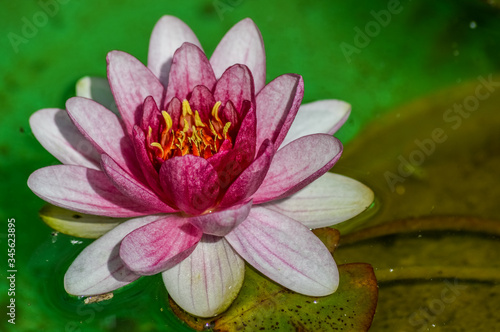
x,y
285,251
251,178
104,130
159,245
150,115
222,222
132,188
242,44
150,173
168,35
323,116
97,89
235,85
277,105
84,190
228,113
174,108
329,200
230,163
207,282
131,82
98,268
224,164
298,164
202,100
54,130
190,68
190,182
245,142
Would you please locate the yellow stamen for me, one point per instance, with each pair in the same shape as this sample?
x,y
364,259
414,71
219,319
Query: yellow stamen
x,y
197,120
215,111
196,137
168,120
181,137
191,135
158,146
186,108
186,126
150,134
213,129
225,130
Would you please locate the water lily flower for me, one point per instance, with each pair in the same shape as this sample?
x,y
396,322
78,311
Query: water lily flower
x,y
208,166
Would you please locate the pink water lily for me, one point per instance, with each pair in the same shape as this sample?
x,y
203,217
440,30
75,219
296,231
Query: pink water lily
x,y
209,166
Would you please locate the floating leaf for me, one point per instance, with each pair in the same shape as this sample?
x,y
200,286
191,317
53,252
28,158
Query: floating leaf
x,y
425,248
431,271
424,158
266,306
425,224
433,165
329,236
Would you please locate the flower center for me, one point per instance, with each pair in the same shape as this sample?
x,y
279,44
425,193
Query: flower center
x,y
193,136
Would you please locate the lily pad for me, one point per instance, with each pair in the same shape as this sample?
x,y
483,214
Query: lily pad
x,y
424,158
434,272
427,248
267,306
432,235
329,236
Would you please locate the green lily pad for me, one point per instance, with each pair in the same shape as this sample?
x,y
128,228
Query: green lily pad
x,y
432,234
266,306
423,158
431,272
329,236
424,249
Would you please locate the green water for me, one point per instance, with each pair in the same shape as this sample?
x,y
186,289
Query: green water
x,y
401,81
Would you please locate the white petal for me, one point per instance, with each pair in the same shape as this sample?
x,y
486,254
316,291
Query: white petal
x,y
322,116
242,44
292,169
56,132
329,200
97,89
285,251
98,269
208,281
168,35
